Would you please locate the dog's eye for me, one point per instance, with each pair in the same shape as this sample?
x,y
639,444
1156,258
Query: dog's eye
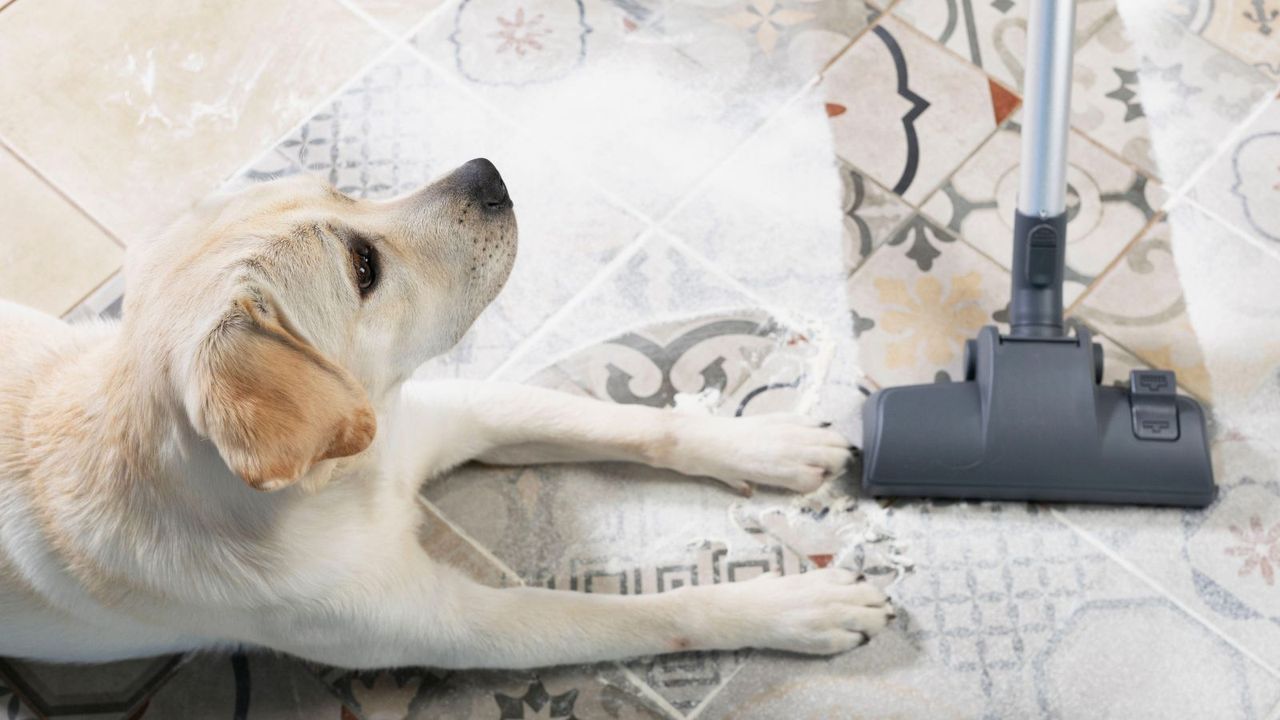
x,y
365,261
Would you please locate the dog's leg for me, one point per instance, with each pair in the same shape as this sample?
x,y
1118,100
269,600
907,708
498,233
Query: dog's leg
x,y
441,619
510,424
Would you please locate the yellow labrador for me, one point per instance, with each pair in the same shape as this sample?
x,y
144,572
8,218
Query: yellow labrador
x,y
237,460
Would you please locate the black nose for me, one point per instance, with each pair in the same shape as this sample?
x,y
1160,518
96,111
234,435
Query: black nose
x,y
485,183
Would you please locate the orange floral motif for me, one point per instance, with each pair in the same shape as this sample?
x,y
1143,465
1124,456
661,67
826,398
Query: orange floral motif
x,y
519,34
1260,548
928,319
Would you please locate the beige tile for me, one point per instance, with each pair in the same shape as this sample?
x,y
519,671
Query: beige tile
x,y
149,106
54,255
398,16
917,299
1244,28
1109,203
1243,185
906,112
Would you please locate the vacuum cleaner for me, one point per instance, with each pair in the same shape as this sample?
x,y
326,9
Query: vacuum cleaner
x,y
1031,419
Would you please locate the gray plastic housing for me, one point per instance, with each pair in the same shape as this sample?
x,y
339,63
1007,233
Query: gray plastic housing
x,y
1030,422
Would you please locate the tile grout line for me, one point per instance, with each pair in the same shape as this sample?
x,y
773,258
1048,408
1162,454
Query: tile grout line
x,y
1231,227
1137,572
646,690
6,145
470,540
696,712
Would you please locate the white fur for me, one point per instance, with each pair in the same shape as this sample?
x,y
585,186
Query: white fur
x,y
124,532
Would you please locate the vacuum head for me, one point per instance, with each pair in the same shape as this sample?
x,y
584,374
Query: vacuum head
x,y
1031,422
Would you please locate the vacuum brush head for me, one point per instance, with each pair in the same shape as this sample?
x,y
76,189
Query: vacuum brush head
x,y
1031,422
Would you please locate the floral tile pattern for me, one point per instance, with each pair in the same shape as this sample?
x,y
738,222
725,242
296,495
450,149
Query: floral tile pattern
x,y
1244,28
992,35
1140,304
1220,562
907,112
704,73
1159,96
1243,184
916,301
399,17
1108,204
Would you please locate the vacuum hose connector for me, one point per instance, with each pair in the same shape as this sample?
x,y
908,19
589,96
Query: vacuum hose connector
x,y
1039,266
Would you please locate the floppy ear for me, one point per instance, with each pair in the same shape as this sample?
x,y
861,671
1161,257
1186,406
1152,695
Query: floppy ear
x,y
270,401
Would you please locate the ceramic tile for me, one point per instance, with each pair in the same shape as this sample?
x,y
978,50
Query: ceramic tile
x,y
444,544
558,693
1108,204
87,692
1220,562
400,17
1243,185
1159,96
159,104
1228,283
397,127
792,249
906,112
630,529
1010,614
916,301
1140,304
42,230
646,97
106,302
992,35
255,685
1244,28
657,282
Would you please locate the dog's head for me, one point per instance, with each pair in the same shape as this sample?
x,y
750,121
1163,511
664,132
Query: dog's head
x,y
284,312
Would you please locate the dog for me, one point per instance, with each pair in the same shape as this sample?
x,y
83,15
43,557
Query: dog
x,y
236,461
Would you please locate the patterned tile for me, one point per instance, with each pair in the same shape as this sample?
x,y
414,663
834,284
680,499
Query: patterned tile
x,y
629,529
992,35
159,104
644,96
1159,96
1010,614
1244,28
657,282
556,694
85,692
1243,185
251,685
786,246
43,230
1140,304
400,17
399,126
916,301
906,112
1228,283
1221,562
1108,204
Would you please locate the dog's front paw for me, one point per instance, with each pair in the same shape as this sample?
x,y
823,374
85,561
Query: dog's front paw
x,y
783,450
818,613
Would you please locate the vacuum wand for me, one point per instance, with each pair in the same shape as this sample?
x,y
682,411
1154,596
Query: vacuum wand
x,y
1040,225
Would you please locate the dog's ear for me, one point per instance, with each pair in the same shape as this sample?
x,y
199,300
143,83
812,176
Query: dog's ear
x,y
269,400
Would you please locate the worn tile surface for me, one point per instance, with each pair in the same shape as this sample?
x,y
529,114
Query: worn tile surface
x,y
1160,96
704,204
1243,185
159,103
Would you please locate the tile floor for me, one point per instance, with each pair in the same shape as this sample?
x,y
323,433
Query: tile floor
x,y
788,202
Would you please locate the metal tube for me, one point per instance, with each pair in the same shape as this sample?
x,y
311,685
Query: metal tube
x,y
1046,108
